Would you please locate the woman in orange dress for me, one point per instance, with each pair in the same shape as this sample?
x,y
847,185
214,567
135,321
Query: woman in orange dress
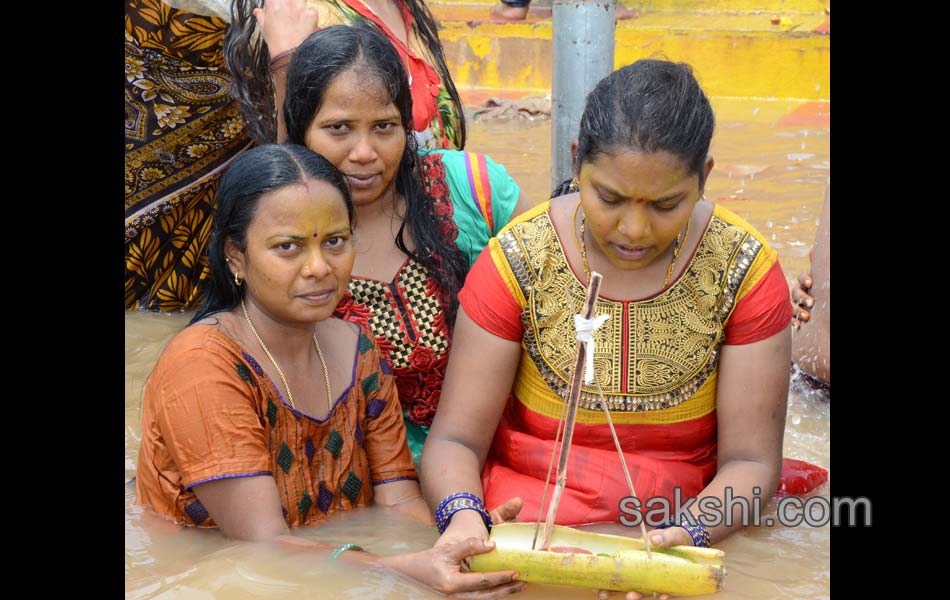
x,y
247,424
811,345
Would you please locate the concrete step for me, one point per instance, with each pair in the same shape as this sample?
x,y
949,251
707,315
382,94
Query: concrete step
x,y
736,50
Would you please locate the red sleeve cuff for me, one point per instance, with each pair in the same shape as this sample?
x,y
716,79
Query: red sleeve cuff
x,y
762,312
487,301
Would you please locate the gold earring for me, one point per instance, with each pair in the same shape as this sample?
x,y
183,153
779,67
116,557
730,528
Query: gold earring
x,y
237,280
575,185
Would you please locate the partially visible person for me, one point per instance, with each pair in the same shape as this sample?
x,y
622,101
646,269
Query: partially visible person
x,y
517,10
513,10
811,345
423,215
802,301
263,37
265,413
693,360
182,129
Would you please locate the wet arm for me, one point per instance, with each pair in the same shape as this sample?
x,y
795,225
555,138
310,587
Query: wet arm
x,y
244,508
811,345
248,508
478,380
395,482
752,395
284,25
406,497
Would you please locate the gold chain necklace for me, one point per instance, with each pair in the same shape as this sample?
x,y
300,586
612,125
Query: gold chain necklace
x,y
583,247
316,344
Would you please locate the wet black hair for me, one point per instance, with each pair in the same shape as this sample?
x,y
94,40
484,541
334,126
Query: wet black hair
x,y
255,173
248,61
317,62
647,106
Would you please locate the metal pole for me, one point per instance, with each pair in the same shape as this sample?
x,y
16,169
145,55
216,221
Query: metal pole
x,y
583,55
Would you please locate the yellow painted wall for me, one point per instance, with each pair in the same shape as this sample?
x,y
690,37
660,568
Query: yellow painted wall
x,y
734,55
784,6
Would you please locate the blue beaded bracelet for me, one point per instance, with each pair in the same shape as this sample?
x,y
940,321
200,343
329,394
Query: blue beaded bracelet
x,y
698,532
453,503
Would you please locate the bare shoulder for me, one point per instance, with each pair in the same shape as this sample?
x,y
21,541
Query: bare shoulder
x,y
339,339
340,327
562,210
702,212
212,320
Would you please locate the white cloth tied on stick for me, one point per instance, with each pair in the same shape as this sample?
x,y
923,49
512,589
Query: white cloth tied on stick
x,y
585,333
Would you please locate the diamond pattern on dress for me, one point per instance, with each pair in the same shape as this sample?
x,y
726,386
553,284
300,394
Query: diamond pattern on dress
x,y
334,443
324,497
351,488
243,371
370,384
309,449
197,512
374,408
285,457
365,343
254,366
304,505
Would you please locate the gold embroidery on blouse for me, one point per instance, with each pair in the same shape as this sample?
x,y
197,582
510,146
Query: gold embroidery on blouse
x,y
674,336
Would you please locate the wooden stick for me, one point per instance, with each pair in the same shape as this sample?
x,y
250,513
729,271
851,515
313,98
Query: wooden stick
x,y
623,464
557,439
573,397
547,478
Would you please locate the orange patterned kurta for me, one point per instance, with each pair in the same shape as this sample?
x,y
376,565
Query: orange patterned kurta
x,y
210,412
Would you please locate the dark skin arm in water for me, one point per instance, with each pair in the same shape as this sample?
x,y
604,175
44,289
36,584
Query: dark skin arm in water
x,y
248,508
802,299
811,348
